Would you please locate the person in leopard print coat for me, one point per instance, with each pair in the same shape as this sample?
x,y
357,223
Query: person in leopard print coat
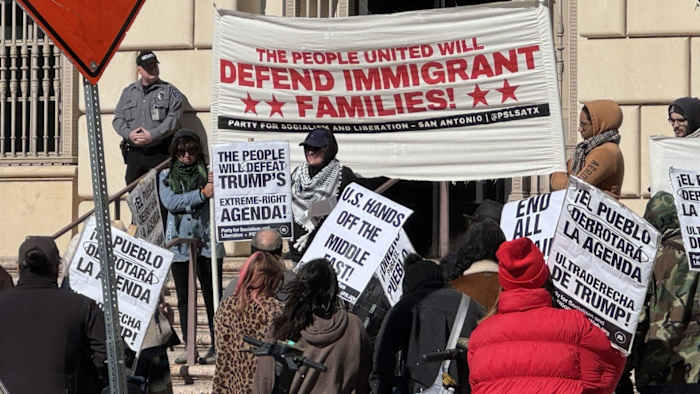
x,y
250,311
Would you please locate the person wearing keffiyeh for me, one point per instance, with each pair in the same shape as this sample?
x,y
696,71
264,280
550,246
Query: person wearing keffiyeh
x,y
321,177
597,159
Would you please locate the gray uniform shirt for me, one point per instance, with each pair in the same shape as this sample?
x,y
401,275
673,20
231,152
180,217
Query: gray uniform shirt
x,y
157,108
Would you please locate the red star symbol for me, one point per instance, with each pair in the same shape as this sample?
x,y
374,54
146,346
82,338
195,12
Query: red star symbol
x,y
507,91
478,95
275,106
250,104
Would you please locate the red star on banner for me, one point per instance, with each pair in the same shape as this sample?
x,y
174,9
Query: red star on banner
x,y
507,91
250,105
478,95
275,106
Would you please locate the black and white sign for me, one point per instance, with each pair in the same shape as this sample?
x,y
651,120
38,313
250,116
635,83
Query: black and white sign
x,y
251,189
141,270
391,270
535,217
145,210
601,260
356,236
686,195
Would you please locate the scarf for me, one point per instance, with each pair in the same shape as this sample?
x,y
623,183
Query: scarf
x,y
183,178
694,134
307,189
583,148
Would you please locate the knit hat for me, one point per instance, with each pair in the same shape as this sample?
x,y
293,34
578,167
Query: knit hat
x,y
521,265
605,115
420,271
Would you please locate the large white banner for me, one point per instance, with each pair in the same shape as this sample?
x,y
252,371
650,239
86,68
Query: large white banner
x,y
141,270
432,95
535,217
356,236
251,189
601,261
667,152
144,204
391,270
686,193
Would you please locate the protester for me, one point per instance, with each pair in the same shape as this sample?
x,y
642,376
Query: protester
x,y
528,346
315,319
597,159
320,178
418,324
472,269
684,117
185,190
250,311
488,209
266,240
5,280
44,330
668,360
147,114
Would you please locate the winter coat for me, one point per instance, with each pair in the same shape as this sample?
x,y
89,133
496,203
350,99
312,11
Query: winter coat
x,y
419,323
235,369
339,343
5,280
192,209
530,347
480,282
44,332
604,166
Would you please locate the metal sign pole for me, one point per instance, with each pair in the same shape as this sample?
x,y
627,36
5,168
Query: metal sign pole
x,y
117,377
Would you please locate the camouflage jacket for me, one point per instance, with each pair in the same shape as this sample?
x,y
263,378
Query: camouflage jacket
x,y
670,321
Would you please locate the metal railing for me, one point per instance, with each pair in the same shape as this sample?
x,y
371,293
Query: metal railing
x,y
30,88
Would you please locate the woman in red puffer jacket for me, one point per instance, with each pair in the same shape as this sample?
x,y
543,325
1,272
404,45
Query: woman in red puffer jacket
x,y
528,346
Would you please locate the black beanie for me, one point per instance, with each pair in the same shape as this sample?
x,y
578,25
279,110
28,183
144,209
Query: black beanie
x,y
420,271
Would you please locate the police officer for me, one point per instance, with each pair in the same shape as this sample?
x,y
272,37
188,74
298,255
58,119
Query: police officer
x,y
148,112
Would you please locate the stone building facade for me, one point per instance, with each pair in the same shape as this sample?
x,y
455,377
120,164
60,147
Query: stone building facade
x,y
637,52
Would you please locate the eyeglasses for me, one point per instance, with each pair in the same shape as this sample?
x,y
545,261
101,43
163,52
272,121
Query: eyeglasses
x,y
311,149
583,124
679,121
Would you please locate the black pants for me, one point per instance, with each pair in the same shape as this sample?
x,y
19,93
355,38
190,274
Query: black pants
x,y
203,266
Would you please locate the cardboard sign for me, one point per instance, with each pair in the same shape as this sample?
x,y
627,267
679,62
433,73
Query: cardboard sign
x,y
144,203
356,236
251,189
686,195
667,152
441,85
535,217
601,260
391,271
141,270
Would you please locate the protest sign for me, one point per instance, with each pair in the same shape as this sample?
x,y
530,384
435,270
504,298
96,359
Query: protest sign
x,y
667,152
441,85
535,217
391,270
356,236
601,260
686,195
141,270
144,203
251,189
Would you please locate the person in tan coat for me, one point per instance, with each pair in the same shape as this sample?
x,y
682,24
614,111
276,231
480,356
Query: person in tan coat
x,y
597,159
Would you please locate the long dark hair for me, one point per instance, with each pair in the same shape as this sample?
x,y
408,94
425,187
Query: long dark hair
x,y
480,242
313,292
